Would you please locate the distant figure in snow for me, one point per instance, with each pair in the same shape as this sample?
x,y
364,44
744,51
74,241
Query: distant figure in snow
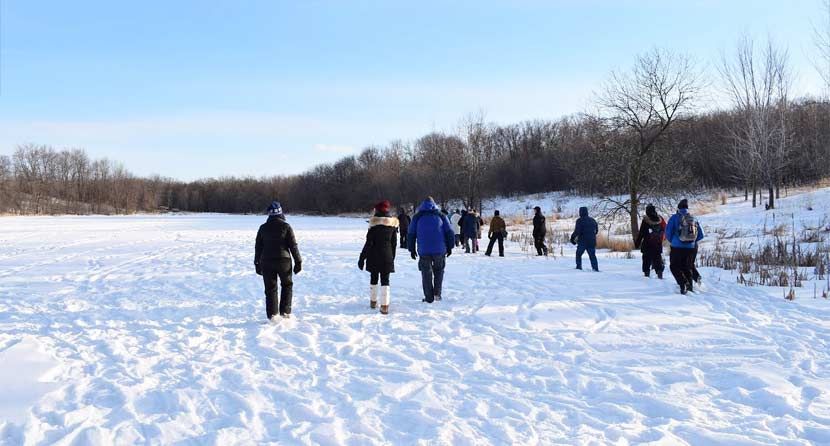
x,y
497,233
431,237
469,231
275,246
480,225
378,254
585,238
403,220
650,241
539,232
455,222
683,232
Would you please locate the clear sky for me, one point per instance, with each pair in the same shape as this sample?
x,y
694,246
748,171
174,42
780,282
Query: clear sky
x,y
194,89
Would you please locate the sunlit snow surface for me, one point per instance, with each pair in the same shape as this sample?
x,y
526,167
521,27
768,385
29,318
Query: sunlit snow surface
x,y
150,329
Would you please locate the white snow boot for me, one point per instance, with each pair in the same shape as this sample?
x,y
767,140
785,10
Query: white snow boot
x,y
385,298
373,296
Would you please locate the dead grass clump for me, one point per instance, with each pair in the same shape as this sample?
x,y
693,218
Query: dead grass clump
x,y
614,244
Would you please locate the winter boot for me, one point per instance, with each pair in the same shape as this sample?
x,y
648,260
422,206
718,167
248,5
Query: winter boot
x,y
660,275
384,299
373,296
689,287
683,288
647,274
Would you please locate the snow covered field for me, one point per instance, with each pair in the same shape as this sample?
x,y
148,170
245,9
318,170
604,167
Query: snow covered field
x,y
149,330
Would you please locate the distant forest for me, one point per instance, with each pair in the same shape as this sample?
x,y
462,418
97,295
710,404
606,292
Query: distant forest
x,y
649,138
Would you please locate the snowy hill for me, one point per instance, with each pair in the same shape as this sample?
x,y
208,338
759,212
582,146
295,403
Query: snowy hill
x,y
148,329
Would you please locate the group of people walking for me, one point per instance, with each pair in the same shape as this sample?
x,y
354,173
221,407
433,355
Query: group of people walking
x,y
431,235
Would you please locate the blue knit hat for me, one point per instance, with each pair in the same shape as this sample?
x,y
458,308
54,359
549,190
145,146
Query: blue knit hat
x,y
275,208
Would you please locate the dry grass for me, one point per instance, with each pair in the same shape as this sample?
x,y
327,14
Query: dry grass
x,y
776,231
614,244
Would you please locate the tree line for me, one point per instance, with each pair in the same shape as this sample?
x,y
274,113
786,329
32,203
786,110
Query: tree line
x,y
653,135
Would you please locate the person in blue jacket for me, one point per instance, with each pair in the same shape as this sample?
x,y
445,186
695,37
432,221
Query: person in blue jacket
x,y
684,233
585,238
431,237
469,231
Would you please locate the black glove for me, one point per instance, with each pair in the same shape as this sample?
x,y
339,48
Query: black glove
x,y
298,267
360,264
413,255
449,252
573,241
258,268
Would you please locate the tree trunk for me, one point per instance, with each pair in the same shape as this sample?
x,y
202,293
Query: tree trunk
x,y
778,191
771,197
746,193
754,196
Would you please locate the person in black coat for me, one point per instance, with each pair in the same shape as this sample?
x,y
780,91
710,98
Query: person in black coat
x,y
403,221
650,241
275,247
378,254
585,238
539,232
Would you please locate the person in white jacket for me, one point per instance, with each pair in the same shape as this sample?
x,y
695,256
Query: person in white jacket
x,y
455,219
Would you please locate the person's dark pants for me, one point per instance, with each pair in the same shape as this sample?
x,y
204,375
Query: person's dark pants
x,y
281,271
432,275
403,238
493,239
682,262
653,259
457,240
539,243
695,273
466,242
592,254
374,277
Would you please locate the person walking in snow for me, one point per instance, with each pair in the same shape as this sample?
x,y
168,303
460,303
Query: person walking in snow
x,y
455,222
683,232
403,221
480,225
497,232
469,231
431,237
275,247
539,232
585,238
378,254
650,241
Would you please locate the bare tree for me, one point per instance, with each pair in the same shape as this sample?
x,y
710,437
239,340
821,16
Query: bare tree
x,y
642,105
758,84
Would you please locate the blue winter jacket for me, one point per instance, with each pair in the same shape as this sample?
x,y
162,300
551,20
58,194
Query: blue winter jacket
x,y
585,232
673,231
430,231
469,225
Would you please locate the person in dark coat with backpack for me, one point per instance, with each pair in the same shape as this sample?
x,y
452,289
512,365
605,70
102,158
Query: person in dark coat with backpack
x,y
403,221
585,238
539,232
275,247
431,237
650,241
683,232
378,254
469,231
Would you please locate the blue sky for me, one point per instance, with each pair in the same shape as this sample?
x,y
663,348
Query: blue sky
x,y
193,89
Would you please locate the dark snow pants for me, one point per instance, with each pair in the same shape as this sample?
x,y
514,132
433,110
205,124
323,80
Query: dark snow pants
x,y
432,275
403,239
592,254
695,273
653,259
281,271
500,239
682,264
375,277
539,243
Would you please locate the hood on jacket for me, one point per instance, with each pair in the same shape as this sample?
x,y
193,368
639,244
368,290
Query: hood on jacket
x,y
583,212
428,206
652,215
383,220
